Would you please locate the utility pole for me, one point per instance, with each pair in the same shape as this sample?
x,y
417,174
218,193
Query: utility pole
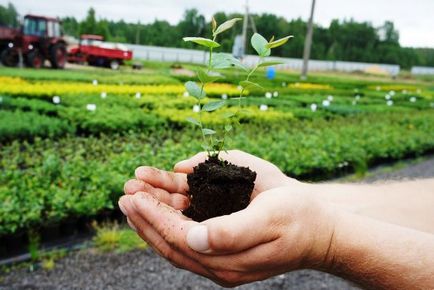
x,y
240,43
308,43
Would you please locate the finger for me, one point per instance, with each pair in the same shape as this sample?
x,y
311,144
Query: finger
x,y
175,200
148,234
169,181
221,235
171,225
260,257
186,166
233,233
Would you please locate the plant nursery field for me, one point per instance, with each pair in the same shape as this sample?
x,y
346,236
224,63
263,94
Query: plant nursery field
x,y
70,139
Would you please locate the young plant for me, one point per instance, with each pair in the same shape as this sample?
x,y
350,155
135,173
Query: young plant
x,y
216,61
217,187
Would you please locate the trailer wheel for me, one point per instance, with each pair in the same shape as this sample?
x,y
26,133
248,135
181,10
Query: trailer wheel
x,y
58,56
35,59
114,64
9,57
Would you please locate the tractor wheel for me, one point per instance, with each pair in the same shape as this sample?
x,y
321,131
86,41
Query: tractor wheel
x,y
35,59
58,56
9,57
114,64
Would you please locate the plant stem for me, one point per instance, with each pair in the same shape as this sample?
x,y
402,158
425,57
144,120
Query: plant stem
x,y
205,141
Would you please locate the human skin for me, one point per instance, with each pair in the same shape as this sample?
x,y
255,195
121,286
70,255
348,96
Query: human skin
x,y
288,225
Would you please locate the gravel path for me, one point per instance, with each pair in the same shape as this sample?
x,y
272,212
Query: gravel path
x,y
88,269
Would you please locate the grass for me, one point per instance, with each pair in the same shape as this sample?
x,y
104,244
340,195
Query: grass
x,y
120,239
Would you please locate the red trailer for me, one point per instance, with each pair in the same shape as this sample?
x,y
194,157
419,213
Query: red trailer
x,y
38,39
93,50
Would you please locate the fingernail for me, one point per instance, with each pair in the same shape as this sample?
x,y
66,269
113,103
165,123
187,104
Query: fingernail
x,y
197,239
131,225
122,208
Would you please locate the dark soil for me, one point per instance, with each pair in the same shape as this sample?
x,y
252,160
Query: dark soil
x,y
218,188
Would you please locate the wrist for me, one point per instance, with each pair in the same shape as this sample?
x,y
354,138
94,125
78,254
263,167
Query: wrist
x,y
318,221
324,246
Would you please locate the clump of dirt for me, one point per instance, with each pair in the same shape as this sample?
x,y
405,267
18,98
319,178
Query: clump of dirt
x,y
217,187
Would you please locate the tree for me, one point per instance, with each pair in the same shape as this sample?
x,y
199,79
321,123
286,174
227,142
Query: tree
x,y
9,15
341,40
193,23
88,26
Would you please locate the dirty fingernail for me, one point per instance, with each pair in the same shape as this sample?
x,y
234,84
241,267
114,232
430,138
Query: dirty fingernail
x,y
197,239
131,225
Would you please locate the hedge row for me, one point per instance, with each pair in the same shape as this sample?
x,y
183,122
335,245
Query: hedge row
x,y
46,181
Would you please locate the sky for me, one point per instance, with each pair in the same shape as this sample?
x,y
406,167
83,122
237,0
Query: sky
x,y
413,19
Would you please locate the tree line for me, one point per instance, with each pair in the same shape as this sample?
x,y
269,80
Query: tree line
x,y
346,40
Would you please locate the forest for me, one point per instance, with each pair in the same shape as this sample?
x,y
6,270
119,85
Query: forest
x,y
346,40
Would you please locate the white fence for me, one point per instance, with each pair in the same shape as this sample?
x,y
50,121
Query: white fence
x,y
199,56
422,70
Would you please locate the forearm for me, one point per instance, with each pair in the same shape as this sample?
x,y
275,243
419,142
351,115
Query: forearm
x,y
406,204
380,255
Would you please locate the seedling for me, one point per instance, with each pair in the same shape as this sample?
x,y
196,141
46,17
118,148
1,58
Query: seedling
x,y
217,187
213,140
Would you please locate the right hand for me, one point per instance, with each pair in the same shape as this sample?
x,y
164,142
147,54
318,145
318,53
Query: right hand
x,y
268,175
281,230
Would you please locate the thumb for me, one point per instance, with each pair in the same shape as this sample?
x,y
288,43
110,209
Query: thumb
x,y
231,233
186,166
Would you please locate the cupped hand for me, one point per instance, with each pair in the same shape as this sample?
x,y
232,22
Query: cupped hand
x,y
280,230
171,187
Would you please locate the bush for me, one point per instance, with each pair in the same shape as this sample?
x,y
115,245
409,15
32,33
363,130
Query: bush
x,y
27,125
110,119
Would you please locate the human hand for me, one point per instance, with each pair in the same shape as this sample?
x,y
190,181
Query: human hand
x,y
280,230
171,187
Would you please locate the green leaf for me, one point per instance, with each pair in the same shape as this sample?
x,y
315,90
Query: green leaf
x,y
227,115
202,41
226,25
208,131
224,60
249,84
212,106
206,78
279,42
213,24
259,43
194,90
193,121
269,63
228,128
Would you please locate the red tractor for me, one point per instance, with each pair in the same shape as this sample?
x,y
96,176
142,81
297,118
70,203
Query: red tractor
x,y
38,39
95,51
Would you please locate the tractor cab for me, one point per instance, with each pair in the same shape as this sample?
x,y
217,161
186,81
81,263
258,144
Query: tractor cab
x,y
41,26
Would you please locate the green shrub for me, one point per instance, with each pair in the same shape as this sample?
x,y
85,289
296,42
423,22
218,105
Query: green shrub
x,y
110,119
27,125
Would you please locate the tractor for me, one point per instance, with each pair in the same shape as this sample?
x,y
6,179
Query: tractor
x,y
39,38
